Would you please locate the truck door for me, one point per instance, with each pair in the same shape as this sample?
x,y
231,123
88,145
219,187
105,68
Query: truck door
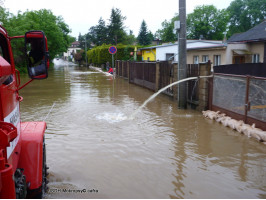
x,y
9,104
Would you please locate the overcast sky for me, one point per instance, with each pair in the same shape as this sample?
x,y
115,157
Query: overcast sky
x,y
80,15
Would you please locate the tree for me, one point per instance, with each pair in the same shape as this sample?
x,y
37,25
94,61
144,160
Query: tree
x,y
55,29
80,56
4,15
207,21
109,34
131,39
143,37
150,36
101,32
116,33
82,38
166,34
71,39
98,34
245,14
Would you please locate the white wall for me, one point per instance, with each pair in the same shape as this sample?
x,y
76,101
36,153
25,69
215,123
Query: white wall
x,y
70,50
231,47
162,51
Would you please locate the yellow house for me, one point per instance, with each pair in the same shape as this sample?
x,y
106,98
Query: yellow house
x,y
148,53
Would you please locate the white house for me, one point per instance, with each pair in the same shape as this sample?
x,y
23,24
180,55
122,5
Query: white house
x,y
247,47
71,51
170,51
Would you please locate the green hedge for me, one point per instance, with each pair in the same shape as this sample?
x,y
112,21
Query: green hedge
x,y
100,54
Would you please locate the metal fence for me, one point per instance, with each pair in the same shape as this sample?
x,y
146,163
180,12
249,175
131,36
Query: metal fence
x,y
241,97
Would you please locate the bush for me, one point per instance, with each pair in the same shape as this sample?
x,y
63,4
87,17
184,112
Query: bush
x,y
100,54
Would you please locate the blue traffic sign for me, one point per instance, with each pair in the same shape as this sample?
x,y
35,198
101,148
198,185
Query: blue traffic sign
x,y
112,49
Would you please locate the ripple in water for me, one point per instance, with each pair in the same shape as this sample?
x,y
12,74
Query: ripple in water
x,y
111,117
185,116
78,73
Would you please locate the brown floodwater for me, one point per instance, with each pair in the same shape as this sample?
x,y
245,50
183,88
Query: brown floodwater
x,y
95,151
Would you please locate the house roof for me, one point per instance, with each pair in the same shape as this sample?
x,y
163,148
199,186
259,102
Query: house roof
x,y
192,44
257,33
216,46
75,43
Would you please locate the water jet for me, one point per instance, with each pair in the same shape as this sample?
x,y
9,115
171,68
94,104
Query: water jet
x,y
162,89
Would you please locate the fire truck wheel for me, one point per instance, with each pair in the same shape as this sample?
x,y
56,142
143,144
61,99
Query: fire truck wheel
x,y
20,184
44,174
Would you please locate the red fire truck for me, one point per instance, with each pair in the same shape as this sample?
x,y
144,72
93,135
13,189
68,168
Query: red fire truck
x,y
23,170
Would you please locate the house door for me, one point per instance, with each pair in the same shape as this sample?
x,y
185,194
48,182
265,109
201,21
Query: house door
x,y
238,59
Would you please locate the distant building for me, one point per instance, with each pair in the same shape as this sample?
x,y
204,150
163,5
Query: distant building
x,y
156,42
75,44
71,51
207,50
196,51
248,47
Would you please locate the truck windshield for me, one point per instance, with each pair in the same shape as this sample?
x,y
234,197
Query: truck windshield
x,y
4,53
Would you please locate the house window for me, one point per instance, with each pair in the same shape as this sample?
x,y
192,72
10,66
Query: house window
x,y
217,60
255,58
170,56
196,59
205,58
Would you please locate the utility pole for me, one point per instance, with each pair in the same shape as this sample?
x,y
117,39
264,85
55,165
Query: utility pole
x,y
182,55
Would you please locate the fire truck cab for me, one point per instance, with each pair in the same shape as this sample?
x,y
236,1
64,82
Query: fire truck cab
x,y
23,170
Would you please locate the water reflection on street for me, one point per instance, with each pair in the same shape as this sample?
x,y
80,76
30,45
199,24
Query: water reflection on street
x,y
95,151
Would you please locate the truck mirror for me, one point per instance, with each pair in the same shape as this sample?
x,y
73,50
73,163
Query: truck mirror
x,y
37,54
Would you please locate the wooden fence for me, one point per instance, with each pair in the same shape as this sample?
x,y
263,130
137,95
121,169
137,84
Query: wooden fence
x,y
156,75
143,74
151,75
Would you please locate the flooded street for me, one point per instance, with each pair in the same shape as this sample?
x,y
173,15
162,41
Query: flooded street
x,y
95,151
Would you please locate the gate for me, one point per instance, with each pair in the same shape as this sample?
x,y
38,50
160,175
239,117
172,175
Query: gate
x,y
166,71
241,97
193,70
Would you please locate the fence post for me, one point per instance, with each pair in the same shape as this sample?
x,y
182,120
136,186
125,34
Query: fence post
x,y
128,73
122,69
143,71
205,70
117,67
157,76
128,68
175,95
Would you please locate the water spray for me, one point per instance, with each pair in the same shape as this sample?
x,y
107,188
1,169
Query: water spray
x,y
49,112
161,90
196,82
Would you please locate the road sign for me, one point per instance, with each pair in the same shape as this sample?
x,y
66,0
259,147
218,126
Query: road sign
x,y
112,50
